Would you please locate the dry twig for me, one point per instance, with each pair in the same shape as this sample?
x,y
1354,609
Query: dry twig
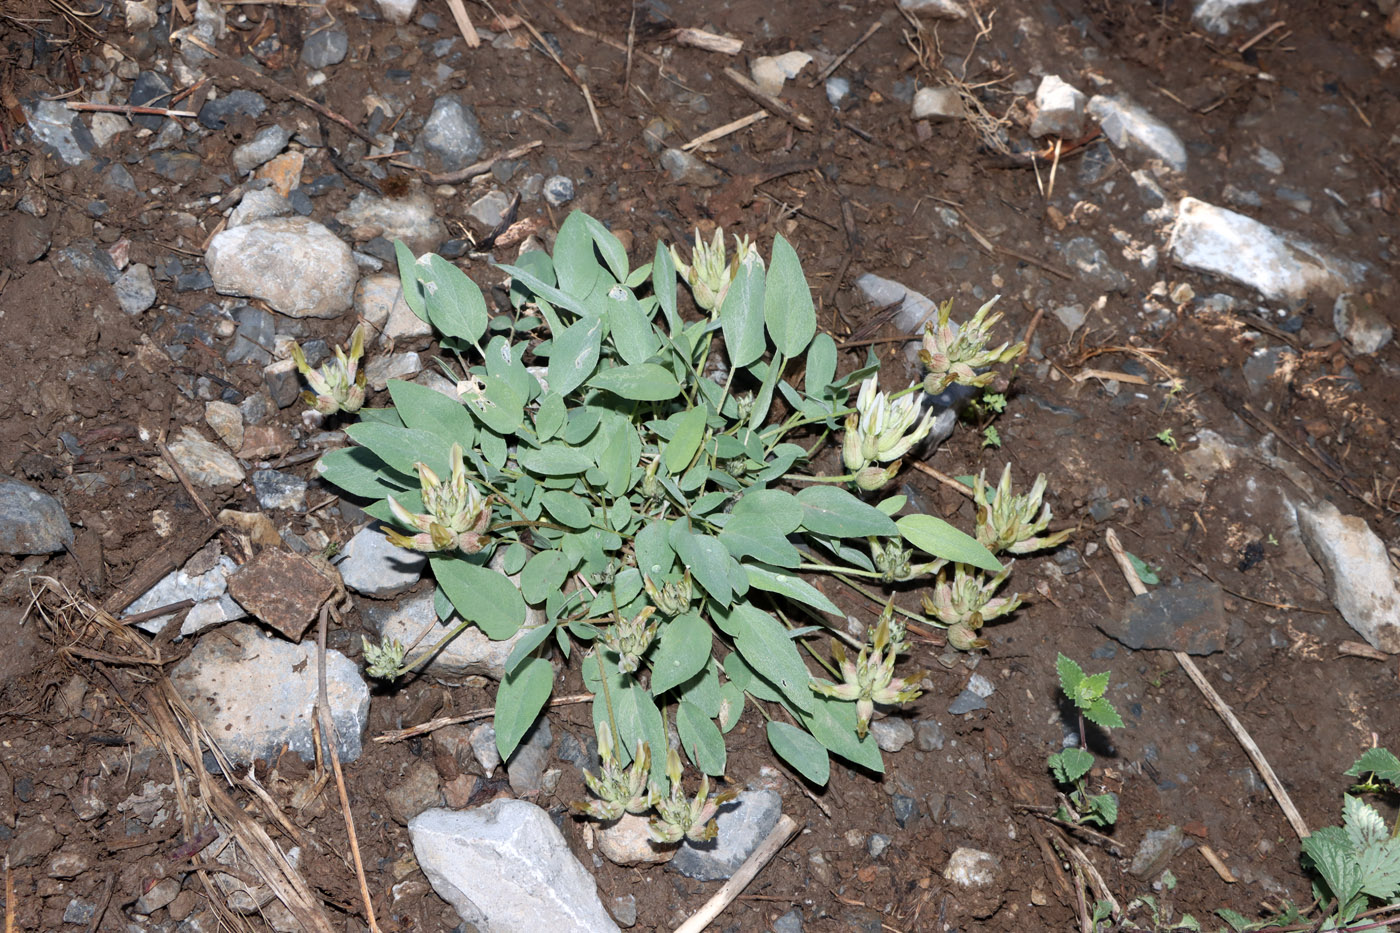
x,y
769,847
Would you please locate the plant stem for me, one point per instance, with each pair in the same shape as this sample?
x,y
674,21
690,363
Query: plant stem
x,y
821,479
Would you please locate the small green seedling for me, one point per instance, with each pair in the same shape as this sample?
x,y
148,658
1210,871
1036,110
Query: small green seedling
x,y
1166,437
1146,572
1359,861
1071,766
991,437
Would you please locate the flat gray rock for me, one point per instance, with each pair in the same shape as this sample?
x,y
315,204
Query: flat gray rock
x,y
1129,126
742,826
1189,618
266,143
273,259
209,590
255,694
1360,580
470,653
506,868
31,520
375,567
451,136
411,219
204,462
135,288
1059,109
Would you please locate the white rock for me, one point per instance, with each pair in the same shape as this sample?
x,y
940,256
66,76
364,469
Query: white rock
x,y
1362,584
258,205
1219,16
939,9
628,842
938,103
381,369
106,126
1364,327
255,694
1059,109
294,264
506,868
914,309
771,71
1129,126
1281,267
205,463
227,422
379,300
892,734
209,590
972,868
397,12
140,15
375,567
471,652
411,219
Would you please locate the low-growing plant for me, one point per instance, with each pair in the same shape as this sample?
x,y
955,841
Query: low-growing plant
x,y
1071,766
640,475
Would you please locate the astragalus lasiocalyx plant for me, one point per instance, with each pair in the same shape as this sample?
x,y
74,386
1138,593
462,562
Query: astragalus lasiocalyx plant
x,y
668,523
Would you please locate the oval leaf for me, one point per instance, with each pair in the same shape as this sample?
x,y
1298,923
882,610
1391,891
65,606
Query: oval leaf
x,y
480,595
830,510
574,355
741,315
683,652
523,693
800,750
642,382
934,536
700,738
454,304
765,646
787,301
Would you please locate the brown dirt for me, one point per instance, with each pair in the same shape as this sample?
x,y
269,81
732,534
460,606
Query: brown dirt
x,y
72,363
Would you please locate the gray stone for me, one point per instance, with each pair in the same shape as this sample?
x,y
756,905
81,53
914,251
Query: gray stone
x,y
79,912
150,89
1360,324
209,590
1280,267
276,490
1219,16
1092,262
623,908
397,12
265,144
905,809
526,766
325,47
967,702
227,422
1059,109
928,735
483,742
972,868
489,209
1072,316
981,686
1158,848
688,169
877,844
157,896
205,463
379,302
179,167
84,260
283,382
938,9
381,369
790,922
837,90
215,114
1189,617
259,204
59,128
253,341
892,734
375,567
558,190
256,693
31,521
470,653
417,791
411,219
135,289
938,103
451,136
1360,580
107,126
1129,126
270,259
506,868
627,841
742,826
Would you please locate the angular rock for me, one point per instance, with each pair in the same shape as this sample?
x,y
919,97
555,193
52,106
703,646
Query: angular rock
x,y
265,144
107,126
283,589
255,694
938,103
939,9
258,205
1360,580
525,769
375,567
150,89
205,463
1280,267
451,136
379,301
627,841
972,868
381,369
742,826
1361,324
227,422
1189,618
31,520
272,260
558,190
418,790
59,128
209,590
1059,109
489,209
1156,852
135,289
325,47
215,114
505,867
771,72
688,169
411,219
470,653
179,167
1129,126
892,734
928,735
1092,262
277,490
397,12
1219,16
